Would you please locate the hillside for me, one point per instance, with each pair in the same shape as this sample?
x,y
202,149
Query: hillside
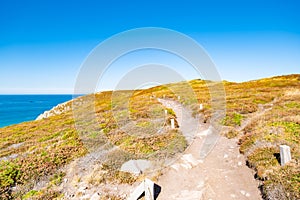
x,y
44,159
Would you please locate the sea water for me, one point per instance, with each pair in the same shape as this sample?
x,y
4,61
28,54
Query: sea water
x,y
15,109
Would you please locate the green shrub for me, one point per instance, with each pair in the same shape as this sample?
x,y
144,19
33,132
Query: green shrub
x,y
232,134
9,174
292,105
283,183
263,157
30,194
57,178
234,119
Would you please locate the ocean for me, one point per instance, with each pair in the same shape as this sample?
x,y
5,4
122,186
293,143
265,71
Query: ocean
x,y
15,109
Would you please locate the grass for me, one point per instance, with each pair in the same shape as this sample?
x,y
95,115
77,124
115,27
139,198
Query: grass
x,y
9,175
30,194
292,105
234,119
109,170
263,159
231,134
47,145
279,125
283,183
131,120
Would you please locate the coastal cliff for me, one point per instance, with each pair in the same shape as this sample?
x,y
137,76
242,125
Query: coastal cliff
x,y
56,110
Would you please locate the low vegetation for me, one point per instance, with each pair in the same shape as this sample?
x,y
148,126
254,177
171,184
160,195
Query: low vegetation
x,y
132,120
275,122
136,123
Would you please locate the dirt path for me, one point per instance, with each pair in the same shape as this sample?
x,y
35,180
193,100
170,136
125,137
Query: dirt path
x,y
262,109
221,175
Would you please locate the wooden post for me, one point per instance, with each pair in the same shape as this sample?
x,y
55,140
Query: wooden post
x,y
137,192
285,154
149,189
146,187
173,123
201,106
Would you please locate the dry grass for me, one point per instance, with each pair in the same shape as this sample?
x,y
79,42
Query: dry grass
x,y
40,148
130,120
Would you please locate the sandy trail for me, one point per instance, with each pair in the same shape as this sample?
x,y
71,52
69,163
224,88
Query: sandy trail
x,y
221,175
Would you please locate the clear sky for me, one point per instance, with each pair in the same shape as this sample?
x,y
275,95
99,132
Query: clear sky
x,y
43,43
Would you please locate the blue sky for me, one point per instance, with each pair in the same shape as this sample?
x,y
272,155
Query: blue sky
x,y
43,43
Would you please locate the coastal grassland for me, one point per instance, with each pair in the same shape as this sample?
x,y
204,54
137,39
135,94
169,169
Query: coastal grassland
x,y
37,150
261,114
241,98
278,126
136,123
274,107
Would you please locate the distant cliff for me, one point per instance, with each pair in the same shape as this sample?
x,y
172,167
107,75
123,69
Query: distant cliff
x,y
56,110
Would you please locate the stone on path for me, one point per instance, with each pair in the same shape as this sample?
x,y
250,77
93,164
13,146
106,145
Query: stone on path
x,y
188,161
176,167
95,196
188,158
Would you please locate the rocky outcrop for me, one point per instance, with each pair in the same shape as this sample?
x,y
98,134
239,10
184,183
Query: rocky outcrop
x,y
57,110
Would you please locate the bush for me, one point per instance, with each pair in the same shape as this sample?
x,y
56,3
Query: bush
x,y
9,175
284,183
234,119
232,134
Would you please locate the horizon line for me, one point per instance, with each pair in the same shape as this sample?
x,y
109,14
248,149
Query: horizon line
x,y
109,90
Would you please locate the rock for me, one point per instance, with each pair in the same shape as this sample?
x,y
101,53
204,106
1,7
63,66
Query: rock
x,y
82,189
70,195
243,192
15,146
87,196
96,196
201,184
176,167
10,157
56,110
136,167
188,158
186,165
